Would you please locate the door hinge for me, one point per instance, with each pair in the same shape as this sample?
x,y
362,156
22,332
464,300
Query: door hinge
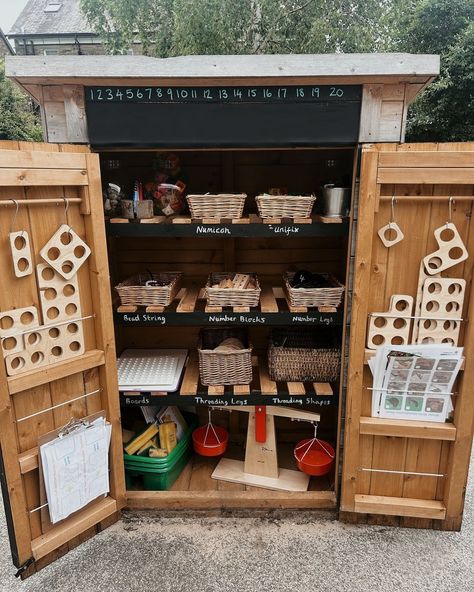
x,y
24,567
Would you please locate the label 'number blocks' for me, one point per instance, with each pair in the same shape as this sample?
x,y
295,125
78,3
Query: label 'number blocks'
x,y
65,252
391,327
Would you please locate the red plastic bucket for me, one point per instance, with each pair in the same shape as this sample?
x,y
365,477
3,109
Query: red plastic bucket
x,y
314,457
210,440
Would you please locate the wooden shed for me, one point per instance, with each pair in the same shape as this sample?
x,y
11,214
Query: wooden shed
x,y
236,124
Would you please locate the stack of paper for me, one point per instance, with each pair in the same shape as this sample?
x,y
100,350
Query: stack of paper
x,y
414,381
76,468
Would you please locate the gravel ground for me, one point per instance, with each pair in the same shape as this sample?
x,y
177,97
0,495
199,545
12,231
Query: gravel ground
x,y
298,551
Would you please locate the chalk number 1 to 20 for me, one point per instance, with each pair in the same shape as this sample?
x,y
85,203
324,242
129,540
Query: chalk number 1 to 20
x,y
170,94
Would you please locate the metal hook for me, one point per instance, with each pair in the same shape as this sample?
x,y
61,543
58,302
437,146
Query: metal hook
x,y
15,214
450,205
392,211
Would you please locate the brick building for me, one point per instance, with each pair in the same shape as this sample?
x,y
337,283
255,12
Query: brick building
x,y
52,27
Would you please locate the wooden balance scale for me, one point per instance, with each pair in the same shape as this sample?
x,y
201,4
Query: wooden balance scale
x,y
260,468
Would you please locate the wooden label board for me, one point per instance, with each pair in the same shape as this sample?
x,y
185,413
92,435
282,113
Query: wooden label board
x,y
406,472
39,400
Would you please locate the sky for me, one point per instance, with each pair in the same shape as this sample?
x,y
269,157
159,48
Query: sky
x,y
9,11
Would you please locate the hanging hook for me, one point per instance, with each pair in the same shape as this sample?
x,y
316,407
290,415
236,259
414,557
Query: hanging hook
x,y
450,206
15,214
392,211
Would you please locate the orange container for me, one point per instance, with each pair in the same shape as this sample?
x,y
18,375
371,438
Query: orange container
x,y
210,440
314,457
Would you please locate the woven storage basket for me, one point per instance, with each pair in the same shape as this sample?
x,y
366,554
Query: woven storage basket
x,y
300,355
285,206
216,205
133,290
331,296
224,368
231,296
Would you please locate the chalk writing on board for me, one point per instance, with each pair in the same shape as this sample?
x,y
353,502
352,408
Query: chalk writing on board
x,y
221,94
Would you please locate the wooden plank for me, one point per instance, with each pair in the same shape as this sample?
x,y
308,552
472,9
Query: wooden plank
x,y
428,159
201,475
72,527
426,175
407,429
361,287
41,160
127,308
104,325
188,302
34,378
74,107
370,112
399,506
215,390
191,376
207,500
268,302
28,460
17,177
267,386
241,389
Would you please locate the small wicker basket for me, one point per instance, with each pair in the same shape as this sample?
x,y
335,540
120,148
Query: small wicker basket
x,y
285,206
217,205
331,296
231,296
134,291
300,355
221,367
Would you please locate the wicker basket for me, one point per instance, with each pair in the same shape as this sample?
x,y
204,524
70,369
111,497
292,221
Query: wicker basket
x,y
224,368
331,296
300,355
133,291
217,205
285,206
231,296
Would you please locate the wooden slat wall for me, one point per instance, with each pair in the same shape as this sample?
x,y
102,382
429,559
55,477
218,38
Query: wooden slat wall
x,y
30,395
381,272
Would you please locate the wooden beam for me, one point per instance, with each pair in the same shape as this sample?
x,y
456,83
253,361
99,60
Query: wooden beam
x,y
399,506
41,160
32,379
16,177
424,175
72,527
407,428
427,159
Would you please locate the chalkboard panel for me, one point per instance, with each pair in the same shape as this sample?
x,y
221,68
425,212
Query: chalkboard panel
x,y
299,118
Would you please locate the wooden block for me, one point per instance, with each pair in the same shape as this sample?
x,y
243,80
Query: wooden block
x,y
152,308
240,281
240,220
268,301
181,220
154,220
271,220
303,220
241,389
451,250
65,251
255,219
400,506
323,389
296,388
211,220
297,308
402,428
188,301
233,471
327,309
328,219
118,221
210,308
215,390
392,327
21,253
127,308
241,309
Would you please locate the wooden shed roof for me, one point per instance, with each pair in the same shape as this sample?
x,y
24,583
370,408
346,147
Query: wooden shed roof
x,y
349,68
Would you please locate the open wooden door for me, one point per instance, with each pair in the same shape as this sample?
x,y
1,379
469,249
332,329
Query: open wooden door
x,y
409,473
42,391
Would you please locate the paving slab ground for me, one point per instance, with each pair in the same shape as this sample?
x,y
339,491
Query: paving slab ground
x,y
297,552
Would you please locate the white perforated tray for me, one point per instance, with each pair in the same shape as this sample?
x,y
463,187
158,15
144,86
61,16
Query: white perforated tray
x,y
151,369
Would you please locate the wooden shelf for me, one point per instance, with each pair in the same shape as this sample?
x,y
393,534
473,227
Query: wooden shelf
x,y
261,391
400,506
426,430
189,308
242,227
